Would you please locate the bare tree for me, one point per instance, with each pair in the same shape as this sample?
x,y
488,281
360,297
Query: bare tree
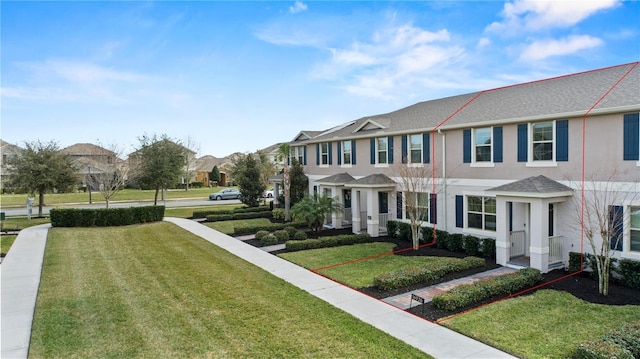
x,y
192,149
107,172
418,189
599,216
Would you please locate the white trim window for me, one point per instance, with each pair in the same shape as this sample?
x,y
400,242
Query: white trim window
x,y
324,153
482,143
415,148
382,150
418,202
346,153
634,228
297,152
543,136
481,213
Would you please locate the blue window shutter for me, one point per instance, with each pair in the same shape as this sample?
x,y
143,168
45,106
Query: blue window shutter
x,y
615,224
373,151
426,149
466,146
562,140
304,155
523,142
353,152
318,154
330,152
390,149
459,211
433,209
631,137
404,149
339,150
399,205
497,144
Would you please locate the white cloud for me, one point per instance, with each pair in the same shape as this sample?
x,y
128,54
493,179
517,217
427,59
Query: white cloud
x,y
483,42
299,6
540,50
535,15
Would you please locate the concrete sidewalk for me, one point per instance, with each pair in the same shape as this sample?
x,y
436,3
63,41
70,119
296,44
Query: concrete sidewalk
x,y
431,338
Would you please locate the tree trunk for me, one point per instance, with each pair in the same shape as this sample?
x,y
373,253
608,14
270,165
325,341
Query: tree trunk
x,y
155,198
40,203
287,194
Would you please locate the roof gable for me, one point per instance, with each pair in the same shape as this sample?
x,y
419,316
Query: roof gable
x,y
368,125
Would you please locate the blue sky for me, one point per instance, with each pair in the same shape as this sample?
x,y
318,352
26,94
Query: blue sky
x,y
240,76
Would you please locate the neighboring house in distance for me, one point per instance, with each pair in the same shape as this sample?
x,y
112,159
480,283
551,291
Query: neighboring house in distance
x,y
9,152
90,159
505,163
204,166
190,167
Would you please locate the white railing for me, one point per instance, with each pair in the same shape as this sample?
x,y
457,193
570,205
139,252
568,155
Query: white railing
x,y
363,220
346,215
383,218
518,240
555,249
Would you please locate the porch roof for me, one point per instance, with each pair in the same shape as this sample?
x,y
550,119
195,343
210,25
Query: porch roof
x,y
377,180
279,178
337,179
537,186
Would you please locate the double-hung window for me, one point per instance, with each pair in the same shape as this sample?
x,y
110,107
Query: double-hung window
x,y
324,153
482,143
543,143
346,152
482,147
382,149
481,213
635,229
297,152
417,205
415,148
542,136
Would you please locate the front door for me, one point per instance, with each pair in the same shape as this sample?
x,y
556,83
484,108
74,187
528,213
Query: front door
x,y
383,210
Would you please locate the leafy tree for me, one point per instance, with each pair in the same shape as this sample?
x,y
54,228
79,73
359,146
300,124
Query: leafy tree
x,y
41,168
247,173
160,162
215,175
299,183
314,210
284,152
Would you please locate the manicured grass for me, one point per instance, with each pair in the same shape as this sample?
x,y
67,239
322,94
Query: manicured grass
x,y
226,227
6,241
156,291
358,274
546,324
17,200
187,212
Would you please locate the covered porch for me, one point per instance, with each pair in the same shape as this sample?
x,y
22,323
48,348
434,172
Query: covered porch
x,y
526,223
334,187
370,198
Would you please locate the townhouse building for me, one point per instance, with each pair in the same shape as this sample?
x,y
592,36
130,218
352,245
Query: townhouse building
x,y
515,164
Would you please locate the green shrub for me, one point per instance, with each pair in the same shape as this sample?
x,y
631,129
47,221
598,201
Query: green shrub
x,y
471,245
574,261
488,247
220,217
623,342
291,230
392,229
404,231
441,239
269,239
427,234
467,294
261,234
250,215
267,227
454,242
278,213
413,275
251,209
629,272
627,337
282,235
327,241
300,235
102,217
601,349
204,214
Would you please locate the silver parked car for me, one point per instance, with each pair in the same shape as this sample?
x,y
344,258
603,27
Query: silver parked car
x,y
228,193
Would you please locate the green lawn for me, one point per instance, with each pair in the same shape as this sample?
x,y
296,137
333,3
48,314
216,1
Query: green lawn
x,y
156,291
226,227
361,273
546,324
5,243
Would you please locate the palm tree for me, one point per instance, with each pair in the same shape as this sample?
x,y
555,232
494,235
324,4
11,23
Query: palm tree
x,y
314,210
283,155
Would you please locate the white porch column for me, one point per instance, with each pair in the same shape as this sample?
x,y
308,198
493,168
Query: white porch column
x,y
336,218
503,242
372,213
355,211
539,230
276,193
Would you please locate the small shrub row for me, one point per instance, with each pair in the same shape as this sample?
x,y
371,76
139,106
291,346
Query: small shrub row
x,y
327,241
239,215
267,227
280,236
467,294
103,217
455,242
624,271
623,342
414,275
204,214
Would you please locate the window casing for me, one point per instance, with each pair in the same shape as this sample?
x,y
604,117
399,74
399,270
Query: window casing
x,y
481,213
542,141
482,140
419,200
382,148
634,237
297,152
415,148
324,153
346,152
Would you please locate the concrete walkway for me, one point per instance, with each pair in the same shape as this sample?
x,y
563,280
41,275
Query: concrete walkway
x,y
20,271
21,276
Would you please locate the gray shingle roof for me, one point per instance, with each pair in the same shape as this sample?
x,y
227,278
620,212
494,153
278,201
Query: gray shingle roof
x,y
373,180
539,185
339,178
570,95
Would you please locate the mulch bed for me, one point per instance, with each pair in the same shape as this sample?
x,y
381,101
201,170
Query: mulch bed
x,y
581,285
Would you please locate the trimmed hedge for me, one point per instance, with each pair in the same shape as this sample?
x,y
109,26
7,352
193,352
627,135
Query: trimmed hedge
x,y
629,273
261,234
467,294
282,235
404,231
237,215
488,247
104,217
204,214
427,234
330,241
623,342
414,275
472,245
269,239
278,213
441,239
455,242
392,229
267,227
300,235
